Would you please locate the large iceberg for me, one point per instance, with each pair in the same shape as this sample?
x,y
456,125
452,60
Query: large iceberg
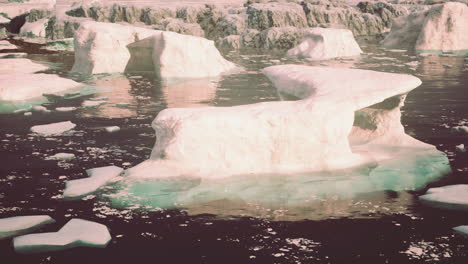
x,y
17,225
444,27
75,233
326,43
292,136
168,54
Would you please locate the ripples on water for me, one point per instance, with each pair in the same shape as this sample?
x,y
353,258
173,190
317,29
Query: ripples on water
x,y
238,220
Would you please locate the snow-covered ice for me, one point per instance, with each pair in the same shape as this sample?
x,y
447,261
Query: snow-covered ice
x,y
35,29
97,177
17,225
75,233
90,103
454,197
65,109
326,43
53,128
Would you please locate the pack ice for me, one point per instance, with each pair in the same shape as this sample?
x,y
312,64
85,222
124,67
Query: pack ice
x,y
75,233
53,128
444,27
453,197
97,177
13,226
311,134
326,43
168,54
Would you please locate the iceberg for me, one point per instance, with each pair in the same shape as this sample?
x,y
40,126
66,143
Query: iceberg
x,y
53,129
453,197
168,54
112,129
75,233
292,136
61,156
443,28
34,29
98,177
18,225
326,43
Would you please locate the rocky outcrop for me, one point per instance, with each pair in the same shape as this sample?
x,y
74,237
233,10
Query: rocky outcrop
x,y
61,28
264,16
179,26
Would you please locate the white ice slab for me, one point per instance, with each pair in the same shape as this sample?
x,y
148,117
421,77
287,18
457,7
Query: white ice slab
x,y
453,197
61,156
76,233
20,65
24,86
53,129
462,230
16,225
97,177
112,129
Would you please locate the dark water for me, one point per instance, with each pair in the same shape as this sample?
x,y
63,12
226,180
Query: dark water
x,y
376,227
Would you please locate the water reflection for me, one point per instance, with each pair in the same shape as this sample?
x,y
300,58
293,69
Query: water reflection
x,y
190,93
445,69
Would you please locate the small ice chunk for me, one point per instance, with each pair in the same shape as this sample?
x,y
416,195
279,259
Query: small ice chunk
x,y
462,230
27,114
97,177
76,233
454,197
16,225
112,129
53,129
461,129
22,110
90,103
40,108
62,156
460,148
65,109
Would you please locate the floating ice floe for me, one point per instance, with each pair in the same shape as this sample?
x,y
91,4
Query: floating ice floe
x,y
65,109
90,103
40,108
53,129
4,45
442,28
460,148
15,66
326,43
12,55
75,233
460,129
462,230
294,136
168,54
454,197
17,225
97,177
112,129
61,156
20,86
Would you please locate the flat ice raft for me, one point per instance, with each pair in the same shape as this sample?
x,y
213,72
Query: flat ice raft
x,y
76,233
345,118
97,177
453,197
12,226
